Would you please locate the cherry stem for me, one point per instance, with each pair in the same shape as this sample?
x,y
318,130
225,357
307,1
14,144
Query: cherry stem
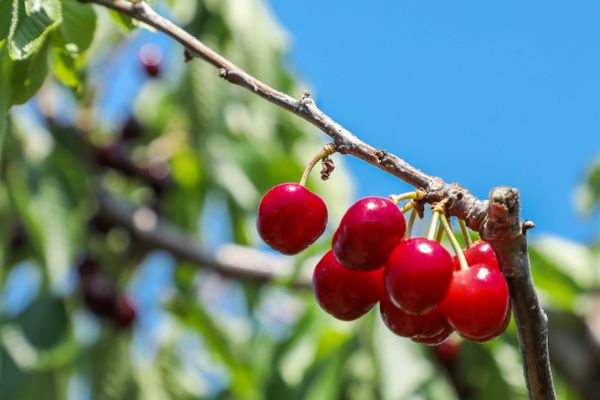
x,y
411,222
325,152
465,233
440,234
455,245
435,217
418,194
407,207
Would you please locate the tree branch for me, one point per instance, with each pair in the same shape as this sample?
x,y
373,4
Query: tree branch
x,y
230,260
497,220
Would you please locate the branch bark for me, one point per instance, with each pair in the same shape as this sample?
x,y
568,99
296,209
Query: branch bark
x,y
497,220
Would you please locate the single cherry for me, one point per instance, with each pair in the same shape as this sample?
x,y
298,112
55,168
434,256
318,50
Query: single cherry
x,y
291,218
367,233
124,313
448,352
344,293
99,294
150,56
420,327
480,253
418,274
477,303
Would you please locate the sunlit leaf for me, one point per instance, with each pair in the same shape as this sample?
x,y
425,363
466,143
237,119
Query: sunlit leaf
x,y
35,21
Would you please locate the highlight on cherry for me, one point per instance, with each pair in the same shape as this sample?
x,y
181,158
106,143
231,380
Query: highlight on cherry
x,y
424,292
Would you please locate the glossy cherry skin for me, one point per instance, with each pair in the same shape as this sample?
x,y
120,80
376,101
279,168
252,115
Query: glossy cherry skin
x,y
418,274
480,253
291,218
492,335
344,293
436,339
477,303
367,233
413,326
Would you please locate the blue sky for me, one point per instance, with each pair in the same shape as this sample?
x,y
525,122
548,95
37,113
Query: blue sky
x,y
480,93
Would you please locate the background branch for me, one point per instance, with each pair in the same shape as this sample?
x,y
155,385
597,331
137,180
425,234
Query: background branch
x,y
497,220
229,260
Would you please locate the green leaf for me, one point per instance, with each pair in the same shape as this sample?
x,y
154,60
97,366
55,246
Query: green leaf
x,y
124,21
65,68
25,77
4,94
35,21
6,17
78,25
50,213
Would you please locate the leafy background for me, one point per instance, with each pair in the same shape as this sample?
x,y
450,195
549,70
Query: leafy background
x,y
201,155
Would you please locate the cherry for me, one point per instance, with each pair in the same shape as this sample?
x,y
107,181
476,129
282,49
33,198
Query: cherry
x,y
492,335
480,253
447,353
436,339
291,218
98,294
124,313
344,293
419,327
477,303
367,233
418,274
151,55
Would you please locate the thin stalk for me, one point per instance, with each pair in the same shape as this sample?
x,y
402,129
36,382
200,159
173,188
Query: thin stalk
x,y
435,217
411,222
465,233
326,151
455,245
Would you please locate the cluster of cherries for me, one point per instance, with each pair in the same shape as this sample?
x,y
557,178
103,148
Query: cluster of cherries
x,y
423,291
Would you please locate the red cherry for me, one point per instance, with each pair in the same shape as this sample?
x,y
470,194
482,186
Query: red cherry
x,y
344,293
418,274
492,335
418,327
367,233
477,303
124,313
436,339
151,55
291,218
480,253
447,353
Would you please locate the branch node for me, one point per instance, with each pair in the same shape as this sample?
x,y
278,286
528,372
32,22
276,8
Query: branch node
x,y
527,225
381,155
223,73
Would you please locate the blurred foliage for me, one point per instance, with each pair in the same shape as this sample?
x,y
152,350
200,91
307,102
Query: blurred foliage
x,y
193,149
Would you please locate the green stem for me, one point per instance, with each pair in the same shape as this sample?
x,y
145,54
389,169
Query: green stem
x,y
465,233
440,234
455,245
411,222
326,151
435,217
